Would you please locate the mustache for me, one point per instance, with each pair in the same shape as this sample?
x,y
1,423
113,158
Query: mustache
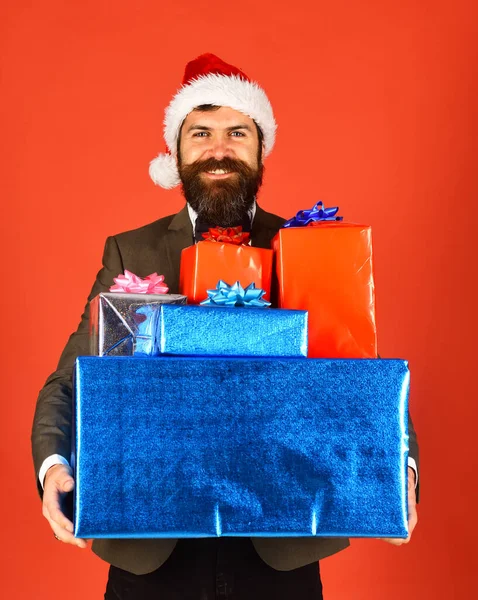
x,y
211,164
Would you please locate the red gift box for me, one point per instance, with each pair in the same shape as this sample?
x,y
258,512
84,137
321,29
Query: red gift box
x,y
326,269
205,263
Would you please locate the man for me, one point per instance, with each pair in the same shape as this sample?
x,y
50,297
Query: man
x,y
218,129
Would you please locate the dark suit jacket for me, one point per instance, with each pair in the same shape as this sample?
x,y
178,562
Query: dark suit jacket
x,y
154,248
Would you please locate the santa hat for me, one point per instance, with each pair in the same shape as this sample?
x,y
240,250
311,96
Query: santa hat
x,y
209,80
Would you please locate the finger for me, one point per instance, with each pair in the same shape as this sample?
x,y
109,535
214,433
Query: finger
x,y
396,541
62,475
66,537
52,509
412,510
64,481
67,484
412,519
411,477
55,487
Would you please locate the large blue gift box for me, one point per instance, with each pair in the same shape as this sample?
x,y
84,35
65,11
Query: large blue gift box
x,y
225,331
198,447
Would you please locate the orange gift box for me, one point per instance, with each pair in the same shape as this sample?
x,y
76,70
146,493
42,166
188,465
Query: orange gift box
x,y
326,269
205,263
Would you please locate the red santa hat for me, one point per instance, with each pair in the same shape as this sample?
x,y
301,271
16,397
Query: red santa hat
x,y
209,80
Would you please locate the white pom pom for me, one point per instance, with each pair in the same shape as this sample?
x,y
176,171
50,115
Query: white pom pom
x,y
164,171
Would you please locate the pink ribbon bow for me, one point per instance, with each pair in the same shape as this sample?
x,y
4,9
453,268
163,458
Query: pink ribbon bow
x,y
132,284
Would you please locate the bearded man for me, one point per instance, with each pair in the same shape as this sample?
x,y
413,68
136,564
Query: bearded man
x,y
218,129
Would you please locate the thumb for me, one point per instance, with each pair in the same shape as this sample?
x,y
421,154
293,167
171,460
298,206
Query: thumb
x,y
67,484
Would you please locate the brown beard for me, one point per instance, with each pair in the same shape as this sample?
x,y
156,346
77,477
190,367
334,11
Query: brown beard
x,y
223,202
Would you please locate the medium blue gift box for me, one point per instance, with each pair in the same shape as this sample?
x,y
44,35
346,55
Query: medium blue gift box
x,y
226,331
199,447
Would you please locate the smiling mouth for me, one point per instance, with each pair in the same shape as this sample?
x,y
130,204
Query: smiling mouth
x,y
218,172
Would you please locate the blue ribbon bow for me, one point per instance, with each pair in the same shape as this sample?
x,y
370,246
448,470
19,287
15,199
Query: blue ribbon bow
x,y
316,213
235,295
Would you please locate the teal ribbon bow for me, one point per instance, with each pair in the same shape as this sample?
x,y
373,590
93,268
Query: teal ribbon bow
x,y
235,295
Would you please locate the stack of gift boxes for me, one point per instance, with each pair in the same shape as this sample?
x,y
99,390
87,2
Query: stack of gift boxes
x,y
210,413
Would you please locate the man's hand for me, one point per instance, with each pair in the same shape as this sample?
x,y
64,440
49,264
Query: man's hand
x,y
412,511
58,482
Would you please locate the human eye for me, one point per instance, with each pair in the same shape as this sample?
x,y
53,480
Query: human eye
x,y
238,134
200,134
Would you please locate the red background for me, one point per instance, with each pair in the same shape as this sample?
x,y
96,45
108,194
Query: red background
x,y
376,105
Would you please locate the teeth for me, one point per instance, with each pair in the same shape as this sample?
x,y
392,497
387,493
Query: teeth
x,y
218,172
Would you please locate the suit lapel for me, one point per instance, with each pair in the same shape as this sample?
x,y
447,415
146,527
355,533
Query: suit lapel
x,y
178,237
264,227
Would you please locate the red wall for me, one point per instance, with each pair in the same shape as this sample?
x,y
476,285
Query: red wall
x,y
376,104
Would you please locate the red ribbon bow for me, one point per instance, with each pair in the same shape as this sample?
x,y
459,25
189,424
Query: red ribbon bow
x,y
132,284
229,235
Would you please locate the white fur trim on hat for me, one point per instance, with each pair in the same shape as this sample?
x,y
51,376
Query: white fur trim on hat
x,y
221,90
163,171
233,91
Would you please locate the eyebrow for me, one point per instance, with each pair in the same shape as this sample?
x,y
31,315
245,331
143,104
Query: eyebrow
x,y
233,128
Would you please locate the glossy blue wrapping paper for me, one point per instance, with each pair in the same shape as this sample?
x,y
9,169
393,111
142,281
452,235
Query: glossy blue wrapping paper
x,y
199,447
225,331
120,322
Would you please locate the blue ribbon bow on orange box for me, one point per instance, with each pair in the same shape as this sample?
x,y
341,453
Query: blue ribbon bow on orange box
x,y
316,214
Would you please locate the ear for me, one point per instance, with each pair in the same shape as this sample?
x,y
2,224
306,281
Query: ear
x,y
262,154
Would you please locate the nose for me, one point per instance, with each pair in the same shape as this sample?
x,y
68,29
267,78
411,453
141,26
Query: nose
x,y
220,148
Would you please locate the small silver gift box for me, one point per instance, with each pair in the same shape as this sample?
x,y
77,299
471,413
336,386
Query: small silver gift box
x,y
121,323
